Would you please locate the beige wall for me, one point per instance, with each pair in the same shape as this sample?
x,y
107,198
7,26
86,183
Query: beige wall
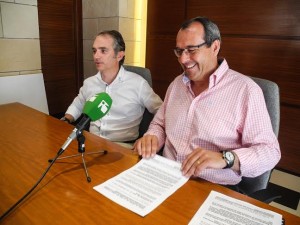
x,y
126,16
19,33
21,79
19,38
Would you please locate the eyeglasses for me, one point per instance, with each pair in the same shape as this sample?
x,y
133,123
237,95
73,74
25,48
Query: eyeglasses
x,y
190,50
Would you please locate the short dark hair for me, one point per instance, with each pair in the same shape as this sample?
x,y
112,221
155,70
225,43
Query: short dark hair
x,y
119,44
211,30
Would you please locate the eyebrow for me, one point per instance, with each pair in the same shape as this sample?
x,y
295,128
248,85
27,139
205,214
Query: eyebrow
x,y
102,48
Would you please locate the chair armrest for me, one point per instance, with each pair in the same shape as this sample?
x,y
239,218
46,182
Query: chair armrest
x,y
265,195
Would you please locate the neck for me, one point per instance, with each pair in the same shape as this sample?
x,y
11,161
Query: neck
x,y
109,76
199,86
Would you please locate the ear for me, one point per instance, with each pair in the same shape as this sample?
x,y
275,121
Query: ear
x,y
216,45
120,55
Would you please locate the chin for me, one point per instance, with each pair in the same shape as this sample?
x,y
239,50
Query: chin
x,y
98,67
187,73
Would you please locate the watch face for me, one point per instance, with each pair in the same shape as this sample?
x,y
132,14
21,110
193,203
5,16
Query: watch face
x,y
229,156
229,159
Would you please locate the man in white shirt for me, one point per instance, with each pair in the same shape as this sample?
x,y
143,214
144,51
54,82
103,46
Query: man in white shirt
x,y
130,93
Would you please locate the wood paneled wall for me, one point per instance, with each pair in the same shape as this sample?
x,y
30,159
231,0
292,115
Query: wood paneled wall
x,y
60,24
259,38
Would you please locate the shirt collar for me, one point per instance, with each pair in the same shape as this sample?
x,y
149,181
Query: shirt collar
x,y
185,79
119,78
215,77
219,72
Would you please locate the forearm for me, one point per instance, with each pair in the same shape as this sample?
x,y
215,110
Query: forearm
x,y
255,160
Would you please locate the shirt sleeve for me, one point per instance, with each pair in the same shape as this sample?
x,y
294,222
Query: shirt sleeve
x,y
75,109
261,151
149,98
157,125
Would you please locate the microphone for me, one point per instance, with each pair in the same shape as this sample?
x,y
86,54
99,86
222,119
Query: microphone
x,y
94,109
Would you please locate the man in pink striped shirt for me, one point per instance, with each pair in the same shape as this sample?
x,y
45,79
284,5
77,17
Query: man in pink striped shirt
x,y
213,119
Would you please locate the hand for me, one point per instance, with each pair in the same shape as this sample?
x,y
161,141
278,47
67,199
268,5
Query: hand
x,y
201,159
146,146
68,118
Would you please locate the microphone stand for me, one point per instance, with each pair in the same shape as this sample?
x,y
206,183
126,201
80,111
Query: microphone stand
x,y
81,152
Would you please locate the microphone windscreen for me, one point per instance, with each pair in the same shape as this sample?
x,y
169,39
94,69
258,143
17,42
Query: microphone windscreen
x,y
97,106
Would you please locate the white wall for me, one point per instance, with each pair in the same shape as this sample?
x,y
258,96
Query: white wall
x,y
27,89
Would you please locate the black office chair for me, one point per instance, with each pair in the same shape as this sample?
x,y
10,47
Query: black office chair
x,y
257,187
147,116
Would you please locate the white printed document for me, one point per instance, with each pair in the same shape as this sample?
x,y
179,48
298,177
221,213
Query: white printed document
x,y
223,210
144,186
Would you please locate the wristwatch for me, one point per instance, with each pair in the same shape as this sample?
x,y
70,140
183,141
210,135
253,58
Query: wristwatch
x,y
229,157
65,119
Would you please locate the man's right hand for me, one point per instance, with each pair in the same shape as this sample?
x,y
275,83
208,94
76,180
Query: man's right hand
x,y
68,118
146,146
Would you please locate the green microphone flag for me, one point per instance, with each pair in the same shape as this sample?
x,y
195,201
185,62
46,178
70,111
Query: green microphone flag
x,y
97,106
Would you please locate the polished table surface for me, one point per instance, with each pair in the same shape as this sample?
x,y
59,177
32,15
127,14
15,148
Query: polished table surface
x,y
29,138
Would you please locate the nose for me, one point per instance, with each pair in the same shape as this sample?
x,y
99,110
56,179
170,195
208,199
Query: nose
x,y
184,56
97,54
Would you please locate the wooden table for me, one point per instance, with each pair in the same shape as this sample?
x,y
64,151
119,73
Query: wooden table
x,y
29,138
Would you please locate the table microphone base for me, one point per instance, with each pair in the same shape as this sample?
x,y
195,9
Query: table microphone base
x,y
81,150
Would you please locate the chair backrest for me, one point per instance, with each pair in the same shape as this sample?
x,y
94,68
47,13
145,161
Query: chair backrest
x,y
271,95
147,116
144,72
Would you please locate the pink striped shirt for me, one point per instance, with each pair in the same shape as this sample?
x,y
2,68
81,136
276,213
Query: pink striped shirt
x,y
230,115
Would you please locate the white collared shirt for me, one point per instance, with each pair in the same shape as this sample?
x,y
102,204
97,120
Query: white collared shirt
x,y
130,93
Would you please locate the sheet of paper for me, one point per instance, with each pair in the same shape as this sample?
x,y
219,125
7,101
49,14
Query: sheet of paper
x,y
224,210
144,186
